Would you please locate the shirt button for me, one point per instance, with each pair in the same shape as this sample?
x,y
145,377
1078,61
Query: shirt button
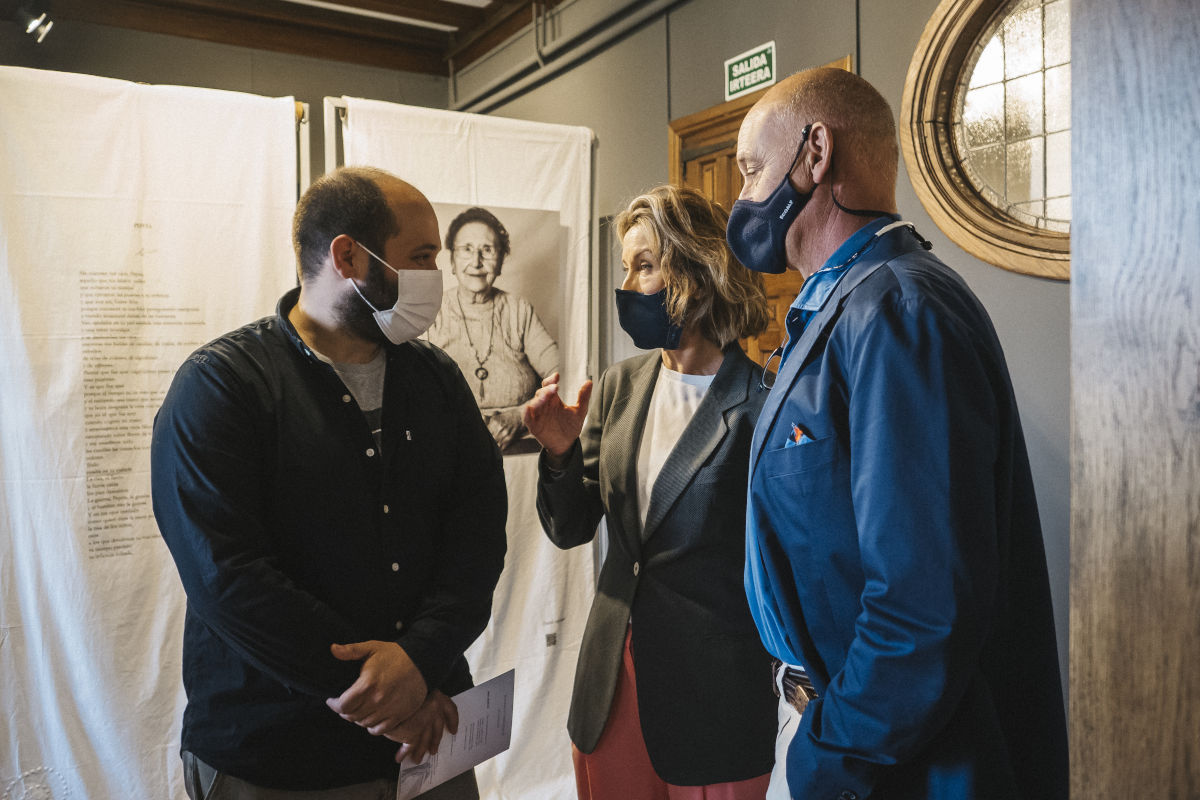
x,y
848,795
345,398
370,451
399,625
395,567
636,568
386,510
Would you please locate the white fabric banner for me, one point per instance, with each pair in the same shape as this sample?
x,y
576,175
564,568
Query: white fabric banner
x,y
536,180
136,223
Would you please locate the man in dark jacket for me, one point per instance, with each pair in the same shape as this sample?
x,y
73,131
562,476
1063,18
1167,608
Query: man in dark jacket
x,y
894,555
336,509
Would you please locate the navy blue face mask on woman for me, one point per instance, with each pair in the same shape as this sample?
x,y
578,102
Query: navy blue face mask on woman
x,y
644,317
757,231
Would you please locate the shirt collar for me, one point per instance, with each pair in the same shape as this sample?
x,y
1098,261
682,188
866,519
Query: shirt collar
x,y
818,286
282,309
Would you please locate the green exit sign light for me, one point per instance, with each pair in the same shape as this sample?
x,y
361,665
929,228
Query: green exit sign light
x,y
751,70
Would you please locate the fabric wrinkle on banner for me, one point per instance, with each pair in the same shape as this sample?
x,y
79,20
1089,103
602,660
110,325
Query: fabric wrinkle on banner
x,y
118,206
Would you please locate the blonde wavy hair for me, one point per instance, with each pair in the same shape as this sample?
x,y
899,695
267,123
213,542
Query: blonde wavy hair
x,y
706,286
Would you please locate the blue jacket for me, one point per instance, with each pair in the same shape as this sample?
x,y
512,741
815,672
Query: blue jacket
x,y
902,549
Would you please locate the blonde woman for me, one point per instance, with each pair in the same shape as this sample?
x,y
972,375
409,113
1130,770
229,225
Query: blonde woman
x,y
673,694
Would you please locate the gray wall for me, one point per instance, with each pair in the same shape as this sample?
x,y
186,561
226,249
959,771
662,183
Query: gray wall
x,y
673,66
171,60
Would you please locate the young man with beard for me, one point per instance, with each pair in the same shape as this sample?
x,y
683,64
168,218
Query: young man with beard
x,y
336,508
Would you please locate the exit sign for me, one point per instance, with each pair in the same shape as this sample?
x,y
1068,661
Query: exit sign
x,y
751,70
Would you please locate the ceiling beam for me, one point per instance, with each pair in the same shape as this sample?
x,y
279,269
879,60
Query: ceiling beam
x,y
265,26
454,14
284,13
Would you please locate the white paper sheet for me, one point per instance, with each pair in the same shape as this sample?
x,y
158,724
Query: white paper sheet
x,y
485,715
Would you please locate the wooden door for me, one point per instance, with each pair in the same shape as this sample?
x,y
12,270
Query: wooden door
x,y
702,152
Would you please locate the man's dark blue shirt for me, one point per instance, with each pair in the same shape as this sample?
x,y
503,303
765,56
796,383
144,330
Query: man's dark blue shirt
x,y
292,529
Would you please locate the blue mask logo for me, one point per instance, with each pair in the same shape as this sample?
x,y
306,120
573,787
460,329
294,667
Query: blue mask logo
x,y
757,231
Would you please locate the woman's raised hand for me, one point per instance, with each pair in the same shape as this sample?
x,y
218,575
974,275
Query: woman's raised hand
x,y
555,425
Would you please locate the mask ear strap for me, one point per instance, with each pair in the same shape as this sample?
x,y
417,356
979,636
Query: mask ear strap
x,y
360,294
862,212
380,260
859,212
803,141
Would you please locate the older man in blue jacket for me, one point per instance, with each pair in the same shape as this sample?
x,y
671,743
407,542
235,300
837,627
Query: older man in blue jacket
x,y
895,562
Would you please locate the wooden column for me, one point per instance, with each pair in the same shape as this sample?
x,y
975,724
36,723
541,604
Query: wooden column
x,y
1135,396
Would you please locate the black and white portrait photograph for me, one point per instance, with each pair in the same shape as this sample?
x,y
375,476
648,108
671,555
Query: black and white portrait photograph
x,y
499,319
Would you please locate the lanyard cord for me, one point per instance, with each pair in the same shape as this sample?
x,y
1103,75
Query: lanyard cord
x,y
778,351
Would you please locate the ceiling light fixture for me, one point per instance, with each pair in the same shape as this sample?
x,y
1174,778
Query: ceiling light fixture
x,y
36,25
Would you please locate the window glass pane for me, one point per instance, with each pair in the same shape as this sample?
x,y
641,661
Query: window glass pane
x,y
983,115
985,168
989,68
1058,164
1058,214
1058,98
1058,33
1023,107
1023,41
1024,180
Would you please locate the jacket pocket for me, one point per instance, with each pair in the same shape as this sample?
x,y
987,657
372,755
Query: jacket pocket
x,y
786,461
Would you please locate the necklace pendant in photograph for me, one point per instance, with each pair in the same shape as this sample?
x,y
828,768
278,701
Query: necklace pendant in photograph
x,y
481,373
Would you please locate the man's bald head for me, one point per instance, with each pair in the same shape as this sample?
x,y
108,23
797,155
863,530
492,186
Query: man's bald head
x,y
364,203
860,119
842,171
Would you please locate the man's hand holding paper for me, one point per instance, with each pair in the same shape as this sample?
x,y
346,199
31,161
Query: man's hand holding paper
x,y
422,732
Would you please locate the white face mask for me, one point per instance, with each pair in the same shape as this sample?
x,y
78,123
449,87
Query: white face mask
x,y
418,299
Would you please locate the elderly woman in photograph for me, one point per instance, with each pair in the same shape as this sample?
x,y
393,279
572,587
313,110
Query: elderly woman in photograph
x,y
501,346
673,697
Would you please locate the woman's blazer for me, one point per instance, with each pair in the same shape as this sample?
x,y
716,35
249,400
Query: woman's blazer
x,y
703,678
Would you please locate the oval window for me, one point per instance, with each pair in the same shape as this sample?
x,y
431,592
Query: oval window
x,y
985,130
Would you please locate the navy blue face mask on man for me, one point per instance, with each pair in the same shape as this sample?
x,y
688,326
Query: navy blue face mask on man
x,y
757,231
644,317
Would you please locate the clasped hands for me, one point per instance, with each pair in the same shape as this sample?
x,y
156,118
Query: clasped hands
x,y
390,699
